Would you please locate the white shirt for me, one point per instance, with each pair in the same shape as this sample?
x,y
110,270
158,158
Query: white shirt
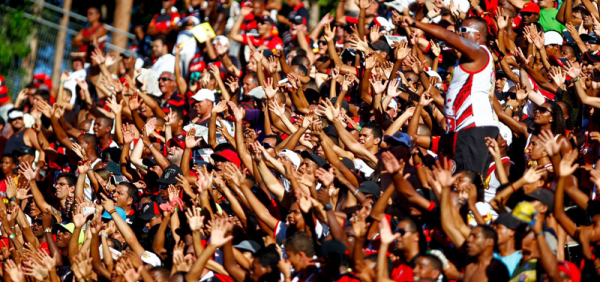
x,y
163,64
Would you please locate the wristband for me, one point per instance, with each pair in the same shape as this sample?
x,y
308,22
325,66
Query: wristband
x,y
48,230
329,206
104,235
359,128
356,192
428,17
539,233
12,236
12,199
512,186
419,165
575,79
150,146
112,211
478,7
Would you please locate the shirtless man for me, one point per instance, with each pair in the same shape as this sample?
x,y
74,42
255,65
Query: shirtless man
x,y
480,249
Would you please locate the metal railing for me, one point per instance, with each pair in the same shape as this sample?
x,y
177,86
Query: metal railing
x,y
47,29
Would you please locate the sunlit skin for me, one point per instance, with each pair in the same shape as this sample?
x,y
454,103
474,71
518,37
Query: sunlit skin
x,y
366,138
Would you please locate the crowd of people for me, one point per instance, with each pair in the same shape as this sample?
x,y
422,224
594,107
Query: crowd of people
x,y
445,140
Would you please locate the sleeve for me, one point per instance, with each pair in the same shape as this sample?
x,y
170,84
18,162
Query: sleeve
x,y
280,232
153,21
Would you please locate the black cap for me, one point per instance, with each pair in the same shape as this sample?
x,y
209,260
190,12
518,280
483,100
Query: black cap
x,y
149,210
370,187
149,162
508,220
380,45
589,38
333,247
265,19
348,163
24,150
544,196
113,167
321,162
330,131
168,176
298,19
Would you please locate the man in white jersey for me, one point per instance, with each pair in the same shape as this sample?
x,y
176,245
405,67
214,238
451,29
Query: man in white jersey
x,y
467,105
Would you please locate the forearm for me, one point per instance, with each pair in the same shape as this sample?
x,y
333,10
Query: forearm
x,y
73,248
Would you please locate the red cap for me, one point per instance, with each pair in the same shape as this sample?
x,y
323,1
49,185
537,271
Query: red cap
x,y
570,269
42,78
531,7
179,141
227,155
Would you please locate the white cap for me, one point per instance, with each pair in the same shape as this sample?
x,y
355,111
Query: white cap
x,y
553,37
258,92
15,114
506,134
151,258
195,20
393,104
204,94
294,158
222,39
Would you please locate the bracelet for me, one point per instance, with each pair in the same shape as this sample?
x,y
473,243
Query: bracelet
x,y
575,79
512,186
103,235
359,128
176,209
12,199
428,17
539,233
150,146
112,211
12,236
419,165
356,192
477,8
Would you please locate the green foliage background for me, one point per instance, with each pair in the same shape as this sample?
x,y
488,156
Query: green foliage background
x,y
15,31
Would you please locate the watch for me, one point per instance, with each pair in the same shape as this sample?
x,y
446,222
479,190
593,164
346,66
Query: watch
x,y
428,17
328,207
12,199
48,230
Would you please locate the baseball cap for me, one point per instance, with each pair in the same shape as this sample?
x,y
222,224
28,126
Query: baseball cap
x,y
380,45
298,19
587,38
113,167
570,269
370,188
178,140
393,104
119,210
15,114
221,39
149,210
204,94
321,162
257,92
149,162
24,150
398,138
227,155
70,227
553,38
348,163
168,176
544,196
42,78
292,156
530,7
508,220
265,19
506,133
248,246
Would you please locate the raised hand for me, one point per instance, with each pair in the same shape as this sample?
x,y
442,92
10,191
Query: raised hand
x,y
190,139
385,233
501,19
326,108
275,107
26,170
114,105
443,175
325,176
268,87
150,126
558,76
98,57
533,174
128,134
493,147
220,226
134,101
233,84
374,33
378,85
572,70
567,166
550,145
14,271
195,218
328,33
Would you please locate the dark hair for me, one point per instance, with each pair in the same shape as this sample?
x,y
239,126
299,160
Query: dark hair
x,y
299,51
69,177
300,60
11,156
300,242
224,146
435,262
568,122
558,126
277,138
132,191
162,39
89,139
269,257
489,233
375,129
302,69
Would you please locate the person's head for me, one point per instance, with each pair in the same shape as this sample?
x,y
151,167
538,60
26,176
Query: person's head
x,y
166,83
87,142
265,24
294,218
483,238
569,52
250,82
62,238
505,226
179,119
15,119
546,4
102,126
567,110
175,148
93,15
65,186
474,29
370,135
258,7
550,113
125,195
9,163
264,266
530,13
300,250
159,45
409,235
167,5
204,102
301,60
427,267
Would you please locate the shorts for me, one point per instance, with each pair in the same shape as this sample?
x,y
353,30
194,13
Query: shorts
x,y
470,151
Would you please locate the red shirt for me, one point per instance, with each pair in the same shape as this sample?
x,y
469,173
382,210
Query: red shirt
x,y
272,42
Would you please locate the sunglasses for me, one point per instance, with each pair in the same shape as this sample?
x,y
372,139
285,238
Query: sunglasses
x,y
164,79
402,231
466,29
543,110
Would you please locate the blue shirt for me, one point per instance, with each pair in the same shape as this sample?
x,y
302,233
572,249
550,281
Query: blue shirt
x,y
511,261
